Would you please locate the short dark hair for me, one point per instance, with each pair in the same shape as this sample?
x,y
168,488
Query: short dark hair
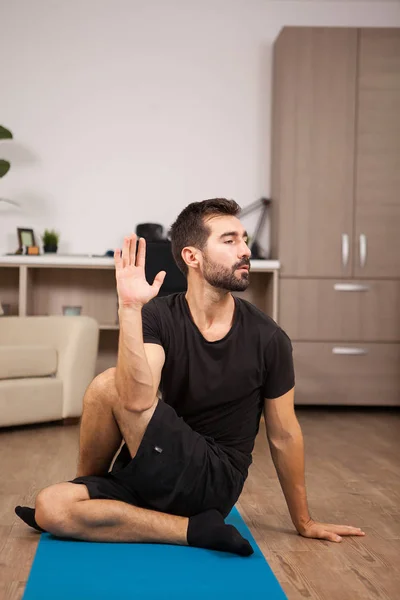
x,y
190,229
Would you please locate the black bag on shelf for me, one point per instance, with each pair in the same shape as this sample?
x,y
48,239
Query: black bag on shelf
x,y
151,232
159,257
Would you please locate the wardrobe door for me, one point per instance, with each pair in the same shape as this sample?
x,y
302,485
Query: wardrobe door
x,y
313,129
377,214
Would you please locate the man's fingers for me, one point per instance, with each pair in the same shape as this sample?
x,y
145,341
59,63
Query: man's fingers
x,y
158,280
330,536
132,249
345,530
125,252
141,254
117,259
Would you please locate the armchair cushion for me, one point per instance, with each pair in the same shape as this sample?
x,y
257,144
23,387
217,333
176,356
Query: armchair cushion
x,y
27,361
26,400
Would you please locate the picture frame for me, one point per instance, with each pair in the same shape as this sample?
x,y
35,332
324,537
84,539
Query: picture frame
x,y
26,237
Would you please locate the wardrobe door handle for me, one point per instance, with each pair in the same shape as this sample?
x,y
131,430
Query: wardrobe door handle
x,y
363,250
351,287
349,351
345,249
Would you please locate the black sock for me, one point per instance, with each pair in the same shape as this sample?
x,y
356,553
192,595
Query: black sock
x,y
28,516
208,530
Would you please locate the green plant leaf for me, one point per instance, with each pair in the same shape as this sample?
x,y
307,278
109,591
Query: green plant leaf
x,y
50,236
4,167
5,134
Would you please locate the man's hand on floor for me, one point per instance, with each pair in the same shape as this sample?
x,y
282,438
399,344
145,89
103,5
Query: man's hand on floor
x,y
328,531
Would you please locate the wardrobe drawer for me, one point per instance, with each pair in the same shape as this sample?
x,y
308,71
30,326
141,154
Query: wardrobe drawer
x,y
340,310
353,374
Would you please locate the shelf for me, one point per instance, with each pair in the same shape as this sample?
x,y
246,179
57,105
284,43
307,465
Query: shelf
x,y
79,261
109,327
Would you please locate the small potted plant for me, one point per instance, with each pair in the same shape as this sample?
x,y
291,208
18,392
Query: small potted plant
x,y
50,240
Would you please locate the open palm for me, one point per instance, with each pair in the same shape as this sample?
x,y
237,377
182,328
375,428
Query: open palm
x,y
328,531
132,287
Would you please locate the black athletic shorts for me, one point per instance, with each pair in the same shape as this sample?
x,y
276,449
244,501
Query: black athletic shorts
x,y
175,471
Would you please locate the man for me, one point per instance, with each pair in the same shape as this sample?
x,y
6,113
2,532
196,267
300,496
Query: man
x,y
218,361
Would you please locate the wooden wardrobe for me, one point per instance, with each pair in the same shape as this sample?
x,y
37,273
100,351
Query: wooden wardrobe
x,y
336,210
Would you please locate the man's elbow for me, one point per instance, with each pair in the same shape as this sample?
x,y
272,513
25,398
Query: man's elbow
x,y
139,407
282,437
133,401
138,404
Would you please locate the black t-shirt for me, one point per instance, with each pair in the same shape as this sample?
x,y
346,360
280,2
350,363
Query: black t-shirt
x,y
218,388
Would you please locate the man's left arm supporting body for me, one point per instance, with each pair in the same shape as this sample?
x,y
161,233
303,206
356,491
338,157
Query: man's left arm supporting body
x,y
286,443
287,451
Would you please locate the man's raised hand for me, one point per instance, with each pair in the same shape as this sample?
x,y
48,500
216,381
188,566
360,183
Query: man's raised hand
x,y
132,287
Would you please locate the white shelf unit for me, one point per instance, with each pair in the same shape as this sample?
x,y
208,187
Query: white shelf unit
x,y
42,285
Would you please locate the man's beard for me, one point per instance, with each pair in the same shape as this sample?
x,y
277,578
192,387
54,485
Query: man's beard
x,y
225,279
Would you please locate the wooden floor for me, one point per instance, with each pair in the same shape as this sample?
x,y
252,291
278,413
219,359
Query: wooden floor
x,y
352,475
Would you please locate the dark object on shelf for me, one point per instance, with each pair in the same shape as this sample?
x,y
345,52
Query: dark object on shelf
x,y
151,232
255,248
50,248
5,309
159,258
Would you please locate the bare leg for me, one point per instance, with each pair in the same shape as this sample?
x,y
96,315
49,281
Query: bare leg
x,y
100,436
65,510
105,423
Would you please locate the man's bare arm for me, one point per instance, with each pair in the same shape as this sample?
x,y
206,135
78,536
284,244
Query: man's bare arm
x,y
287,451
138,369
139,365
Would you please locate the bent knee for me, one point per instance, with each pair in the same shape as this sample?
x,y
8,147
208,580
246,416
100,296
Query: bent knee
x,y
53,504
103,387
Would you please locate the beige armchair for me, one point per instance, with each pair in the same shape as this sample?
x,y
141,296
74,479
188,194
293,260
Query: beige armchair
x,y
46,364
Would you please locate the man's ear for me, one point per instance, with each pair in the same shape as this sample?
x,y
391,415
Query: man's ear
x,y
190,255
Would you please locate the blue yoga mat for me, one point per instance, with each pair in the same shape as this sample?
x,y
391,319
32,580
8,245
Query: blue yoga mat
x,y
69,569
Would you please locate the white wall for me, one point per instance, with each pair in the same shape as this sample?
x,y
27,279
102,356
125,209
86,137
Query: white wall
x,y
126,111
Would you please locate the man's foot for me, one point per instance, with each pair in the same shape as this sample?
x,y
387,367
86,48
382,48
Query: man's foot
x,y
208,530
28,516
